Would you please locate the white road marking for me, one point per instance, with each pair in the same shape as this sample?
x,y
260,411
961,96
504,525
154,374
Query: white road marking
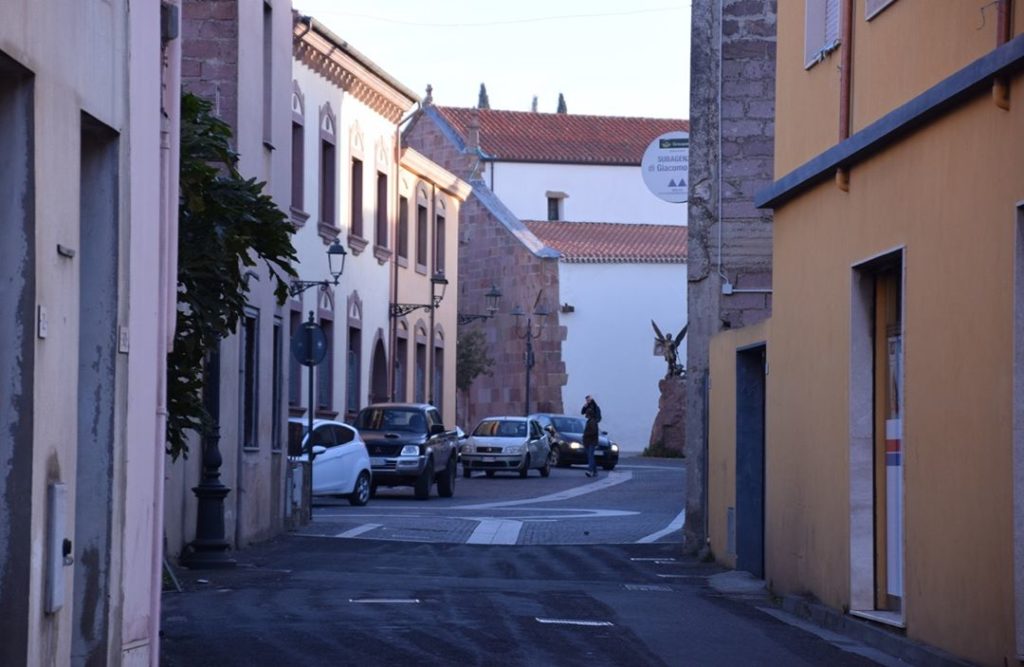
x,y
654,560
359,530
649,587
611,479
567,621
675,526
384,601
496,531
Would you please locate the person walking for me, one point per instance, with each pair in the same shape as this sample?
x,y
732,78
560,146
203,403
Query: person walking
x,y
592,411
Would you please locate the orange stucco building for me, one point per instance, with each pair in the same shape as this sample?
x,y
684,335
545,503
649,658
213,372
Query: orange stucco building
x,y
866,444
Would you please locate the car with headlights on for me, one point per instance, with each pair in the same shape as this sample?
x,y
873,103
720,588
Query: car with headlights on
x,y
566,435
510,444
341,465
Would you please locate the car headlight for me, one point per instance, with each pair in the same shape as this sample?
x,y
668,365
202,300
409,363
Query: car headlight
x,y
411,450
615,447
575,445
468,448
514,449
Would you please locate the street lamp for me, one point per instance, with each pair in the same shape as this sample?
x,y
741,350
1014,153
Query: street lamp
x,y
438,286
492,297
529,335
335,265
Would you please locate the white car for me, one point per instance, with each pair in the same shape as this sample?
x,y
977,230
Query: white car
x,y
514,444
341,464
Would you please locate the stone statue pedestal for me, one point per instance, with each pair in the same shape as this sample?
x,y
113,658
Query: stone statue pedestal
x,y
668,436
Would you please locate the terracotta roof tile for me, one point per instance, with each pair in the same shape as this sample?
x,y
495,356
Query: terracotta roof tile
x,y
607,242
524,136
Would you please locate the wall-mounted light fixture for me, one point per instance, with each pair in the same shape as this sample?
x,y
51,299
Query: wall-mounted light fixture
x,y
492,297
335,265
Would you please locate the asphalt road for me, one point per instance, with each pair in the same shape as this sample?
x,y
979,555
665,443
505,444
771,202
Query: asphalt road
x,y
586,572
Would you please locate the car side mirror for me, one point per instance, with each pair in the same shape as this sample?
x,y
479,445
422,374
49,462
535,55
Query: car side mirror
x,y
550,429
318,450
436,429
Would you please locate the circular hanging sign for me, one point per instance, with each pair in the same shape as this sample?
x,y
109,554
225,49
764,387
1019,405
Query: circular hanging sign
x,y
309,344
666,165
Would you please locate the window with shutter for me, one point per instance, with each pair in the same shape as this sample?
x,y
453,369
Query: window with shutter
x,y
821,30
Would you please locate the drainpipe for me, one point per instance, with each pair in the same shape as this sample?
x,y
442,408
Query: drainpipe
x,y
1001,84
845,87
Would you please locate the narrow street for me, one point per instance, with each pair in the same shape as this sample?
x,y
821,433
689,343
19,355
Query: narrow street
x,y
556,571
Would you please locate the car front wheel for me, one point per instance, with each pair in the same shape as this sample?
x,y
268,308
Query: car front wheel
x,y
546,470
524,470
422,488
361,493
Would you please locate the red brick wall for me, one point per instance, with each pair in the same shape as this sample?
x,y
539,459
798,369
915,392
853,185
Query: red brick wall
x,y
209,59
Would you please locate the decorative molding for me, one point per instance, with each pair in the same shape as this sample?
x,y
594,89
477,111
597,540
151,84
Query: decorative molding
x,y
298,104
382,254
354,309
356,140
298,217
446,181
357,244
328,232
332,58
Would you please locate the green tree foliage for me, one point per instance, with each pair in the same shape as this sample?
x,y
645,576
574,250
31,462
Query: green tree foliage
x,y
472,359
226,227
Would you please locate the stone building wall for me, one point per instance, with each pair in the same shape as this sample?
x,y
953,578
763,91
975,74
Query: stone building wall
x,y
209,62
732,107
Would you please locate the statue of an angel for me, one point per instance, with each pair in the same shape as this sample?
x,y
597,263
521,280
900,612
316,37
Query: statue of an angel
x,y
670,349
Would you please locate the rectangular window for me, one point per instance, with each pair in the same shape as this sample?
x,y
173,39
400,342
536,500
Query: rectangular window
x,y
821,30
268,73
327,180
421,237
439,244
554,208
249,371
403,228
382,210
294,367
401,360
324,370
277,387
352,388
421,373
357,198
298,158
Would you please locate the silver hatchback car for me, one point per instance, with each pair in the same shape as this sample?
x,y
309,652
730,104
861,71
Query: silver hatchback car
x,y
513,444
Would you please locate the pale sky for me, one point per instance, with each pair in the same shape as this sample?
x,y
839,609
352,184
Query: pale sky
x,y
607,57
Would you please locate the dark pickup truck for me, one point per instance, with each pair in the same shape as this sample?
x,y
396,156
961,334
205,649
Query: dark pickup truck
x,y
409,446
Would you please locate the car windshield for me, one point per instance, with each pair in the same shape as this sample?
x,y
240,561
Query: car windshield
x,y
392,419
501,428
568,424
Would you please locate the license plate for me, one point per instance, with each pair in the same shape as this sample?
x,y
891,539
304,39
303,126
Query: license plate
x,y
377,461
488,459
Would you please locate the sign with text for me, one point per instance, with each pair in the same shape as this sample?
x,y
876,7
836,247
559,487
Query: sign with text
x,y
665,166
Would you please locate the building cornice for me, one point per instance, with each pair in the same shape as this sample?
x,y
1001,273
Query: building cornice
x,y
315,46
896,124
423,167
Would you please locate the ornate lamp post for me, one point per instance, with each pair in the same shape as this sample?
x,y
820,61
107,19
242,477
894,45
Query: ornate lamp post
x,y
528,334
209,549
438,286
492,297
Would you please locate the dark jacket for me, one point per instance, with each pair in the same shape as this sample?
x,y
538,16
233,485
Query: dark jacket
x,y
592,411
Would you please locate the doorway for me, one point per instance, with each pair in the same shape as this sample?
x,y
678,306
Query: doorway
x,y
750,450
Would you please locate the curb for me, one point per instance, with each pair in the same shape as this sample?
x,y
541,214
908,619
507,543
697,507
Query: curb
x,y
870,634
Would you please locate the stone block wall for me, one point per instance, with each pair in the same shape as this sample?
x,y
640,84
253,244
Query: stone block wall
x,y
209,58
732,139
490,254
